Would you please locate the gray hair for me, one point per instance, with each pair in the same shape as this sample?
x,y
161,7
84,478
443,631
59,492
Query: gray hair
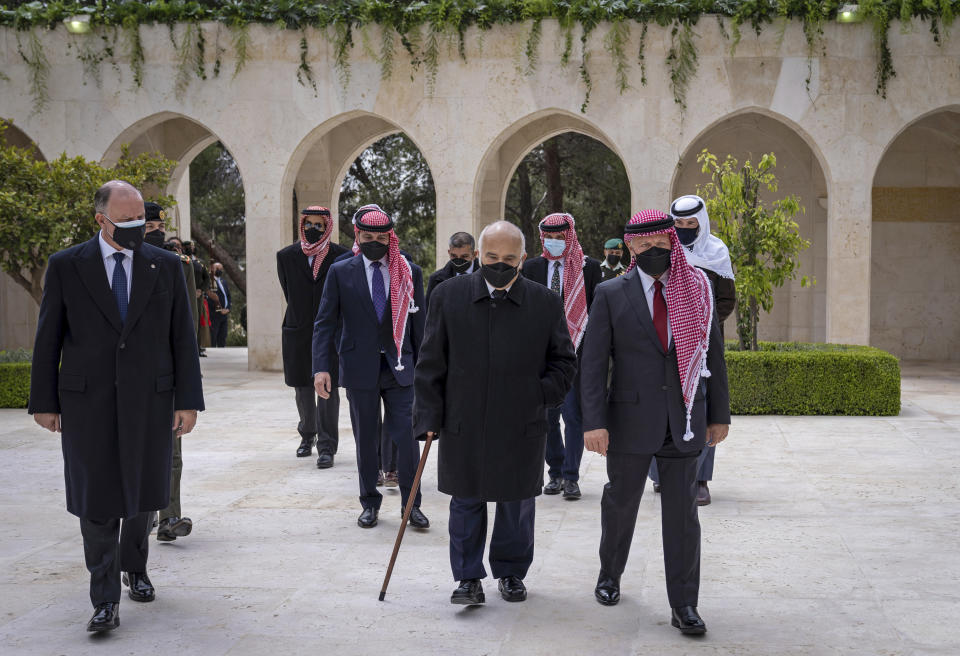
x,y
499,225
461,239
102,198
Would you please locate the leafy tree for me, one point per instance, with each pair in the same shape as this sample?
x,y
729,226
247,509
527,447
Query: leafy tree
x,y
576,174
393,174
48,206
763,239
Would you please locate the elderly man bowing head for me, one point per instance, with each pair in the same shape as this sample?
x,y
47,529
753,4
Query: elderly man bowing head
x,y
659,321
496,354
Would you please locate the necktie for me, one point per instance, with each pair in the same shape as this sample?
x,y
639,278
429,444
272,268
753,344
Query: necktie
x,y
555,281
660,313
499,294
379,291
119,285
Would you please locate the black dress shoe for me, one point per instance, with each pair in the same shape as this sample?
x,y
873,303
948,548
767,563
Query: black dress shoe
x,y
688,621
324,461
469,593
141,589
106,617
306,447
172,528
513,589
703,494
368,518
418,519
555,486
571,490
607,591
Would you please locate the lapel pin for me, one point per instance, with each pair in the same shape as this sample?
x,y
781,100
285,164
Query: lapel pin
x,y
153,266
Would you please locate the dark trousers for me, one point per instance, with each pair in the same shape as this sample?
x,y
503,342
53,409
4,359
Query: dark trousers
x,y
511,545
111,546
681,527
397,422
319,417
564,453
704,466
176,470
218,329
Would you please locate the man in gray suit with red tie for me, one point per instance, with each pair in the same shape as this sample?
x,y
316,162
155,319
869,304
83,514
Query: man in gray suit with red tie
x,y
667,398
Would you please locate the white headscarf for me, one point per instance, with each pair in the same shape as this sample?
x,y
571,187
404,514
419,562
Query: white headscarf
x,y
707,251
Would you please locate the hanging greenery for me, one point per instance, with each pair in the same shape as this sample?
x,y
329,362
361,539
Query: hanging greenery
x,y
450,19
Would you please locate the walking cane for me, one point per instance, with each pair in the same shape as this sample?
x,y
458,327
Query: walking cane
x,y
406,515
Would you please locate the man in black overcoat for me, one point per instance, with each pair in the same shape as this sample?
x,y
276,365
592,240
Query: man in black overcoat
x,y
302,268
463,260
114,368
668,397
573,276
496,354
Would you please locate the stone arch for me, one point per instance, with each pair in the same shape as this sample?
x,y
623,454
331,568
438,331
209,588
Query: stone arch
x,y
323,157
14,136
914,270
799,314
507,151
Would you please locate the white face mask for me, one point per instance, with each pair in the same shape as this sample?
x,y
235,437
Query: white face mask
x,y
555,246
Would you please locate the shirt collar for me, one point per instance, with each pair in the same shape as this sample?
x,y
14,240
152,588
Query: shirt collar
x,y
384,261
106,250
647,280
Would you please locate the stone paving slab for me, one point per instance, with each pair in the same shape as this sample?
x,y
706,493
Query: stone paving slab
x,y
827,535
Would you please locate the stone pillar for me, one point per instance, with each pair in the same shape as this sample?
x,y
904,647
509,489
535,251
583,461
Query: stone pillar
x,y
848,261
182,194
268,229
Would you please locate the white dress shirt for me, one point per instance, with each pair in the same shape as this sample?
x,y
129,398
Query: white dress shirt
x,y
384,269
226,299
649,290
107,251
491,288
556,265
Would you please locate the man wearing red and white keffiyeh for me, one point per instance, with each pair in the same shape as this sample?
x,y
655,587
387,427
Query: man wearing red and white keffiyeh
x,y
666,396
563,268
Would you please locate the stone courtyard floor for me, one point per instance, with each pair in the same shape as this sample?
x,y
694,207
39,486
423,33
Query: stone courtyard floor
x,y
827,535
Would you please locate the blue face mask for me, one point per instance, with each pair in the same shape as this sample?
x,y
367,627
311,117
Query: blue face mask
x,y
555,246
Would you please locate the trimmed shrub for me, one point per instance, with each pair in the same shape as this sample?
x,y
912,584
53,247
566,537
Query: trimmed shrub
x,y
14,384
813,379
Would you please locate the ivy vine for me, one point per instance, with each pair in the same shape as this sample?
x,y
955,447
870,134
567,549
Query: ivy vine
x,y
423,26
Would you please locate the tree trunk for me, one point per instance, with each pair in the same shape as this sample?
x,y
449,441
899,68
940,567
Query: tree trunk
x,y
236,274
551,168
33,284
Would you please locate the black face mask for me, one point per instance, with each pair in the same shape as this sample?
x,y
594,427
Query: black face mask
x,y
128,236
313,235
218,273
687,235
461,265
499,274
653,261
154,238
373,250
613,260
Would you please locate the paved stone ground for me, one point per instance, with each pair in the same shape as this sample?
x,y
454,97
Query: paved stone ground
x,y
827,535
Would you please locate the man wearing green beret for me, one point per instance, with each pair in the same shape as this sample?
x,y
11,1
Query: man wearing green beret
x,y
611,267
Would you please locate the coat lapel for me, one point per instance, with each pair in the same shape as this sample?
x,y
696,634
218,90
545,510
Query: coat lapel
x,y
90,267
637,299
362,289
144,273
303,264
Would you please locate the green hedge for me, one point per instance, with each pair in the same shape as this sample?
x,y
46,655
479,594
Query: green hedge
x,y
813,379
14,384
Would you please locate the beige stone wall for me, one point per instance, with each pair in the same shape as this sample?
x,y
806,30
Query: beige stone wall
x,y
485,113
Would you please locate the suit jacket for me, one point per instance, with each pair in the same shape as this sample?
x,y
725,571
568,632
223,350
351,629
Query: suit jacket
x,y
535,268
222,296
644,400
346,302
303,295
115,384
445,273
487,372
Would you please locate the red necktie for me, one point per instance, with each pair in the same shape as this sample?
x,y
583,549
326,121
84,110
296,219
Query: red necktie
x,y
660,313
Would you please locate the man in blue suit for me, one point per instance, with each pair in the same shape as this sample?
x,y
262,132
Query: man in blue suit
x,y
377,298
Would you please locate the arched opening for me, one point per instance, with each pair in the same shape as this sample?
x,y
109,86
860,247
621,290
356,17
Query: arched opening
x,y
915,271
392,173
574,173
799,313
502,158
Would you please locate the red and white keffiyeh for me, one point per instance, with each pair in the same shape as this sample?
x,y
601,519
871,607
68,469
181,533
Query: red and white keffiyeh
x,y
401,275
575,295
689,307
319,250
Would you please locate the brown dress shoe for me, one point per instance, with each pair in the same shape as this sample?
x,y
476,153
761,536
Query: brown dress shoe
x,y
703,494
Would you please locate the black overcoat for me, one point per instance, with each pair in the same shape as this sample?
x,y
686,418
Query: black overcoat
x,y
115,384
487,372
444,273
303,295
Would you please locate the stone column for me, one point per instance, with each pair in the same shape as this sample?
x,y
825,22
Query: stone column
x,y
848,261
182,194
